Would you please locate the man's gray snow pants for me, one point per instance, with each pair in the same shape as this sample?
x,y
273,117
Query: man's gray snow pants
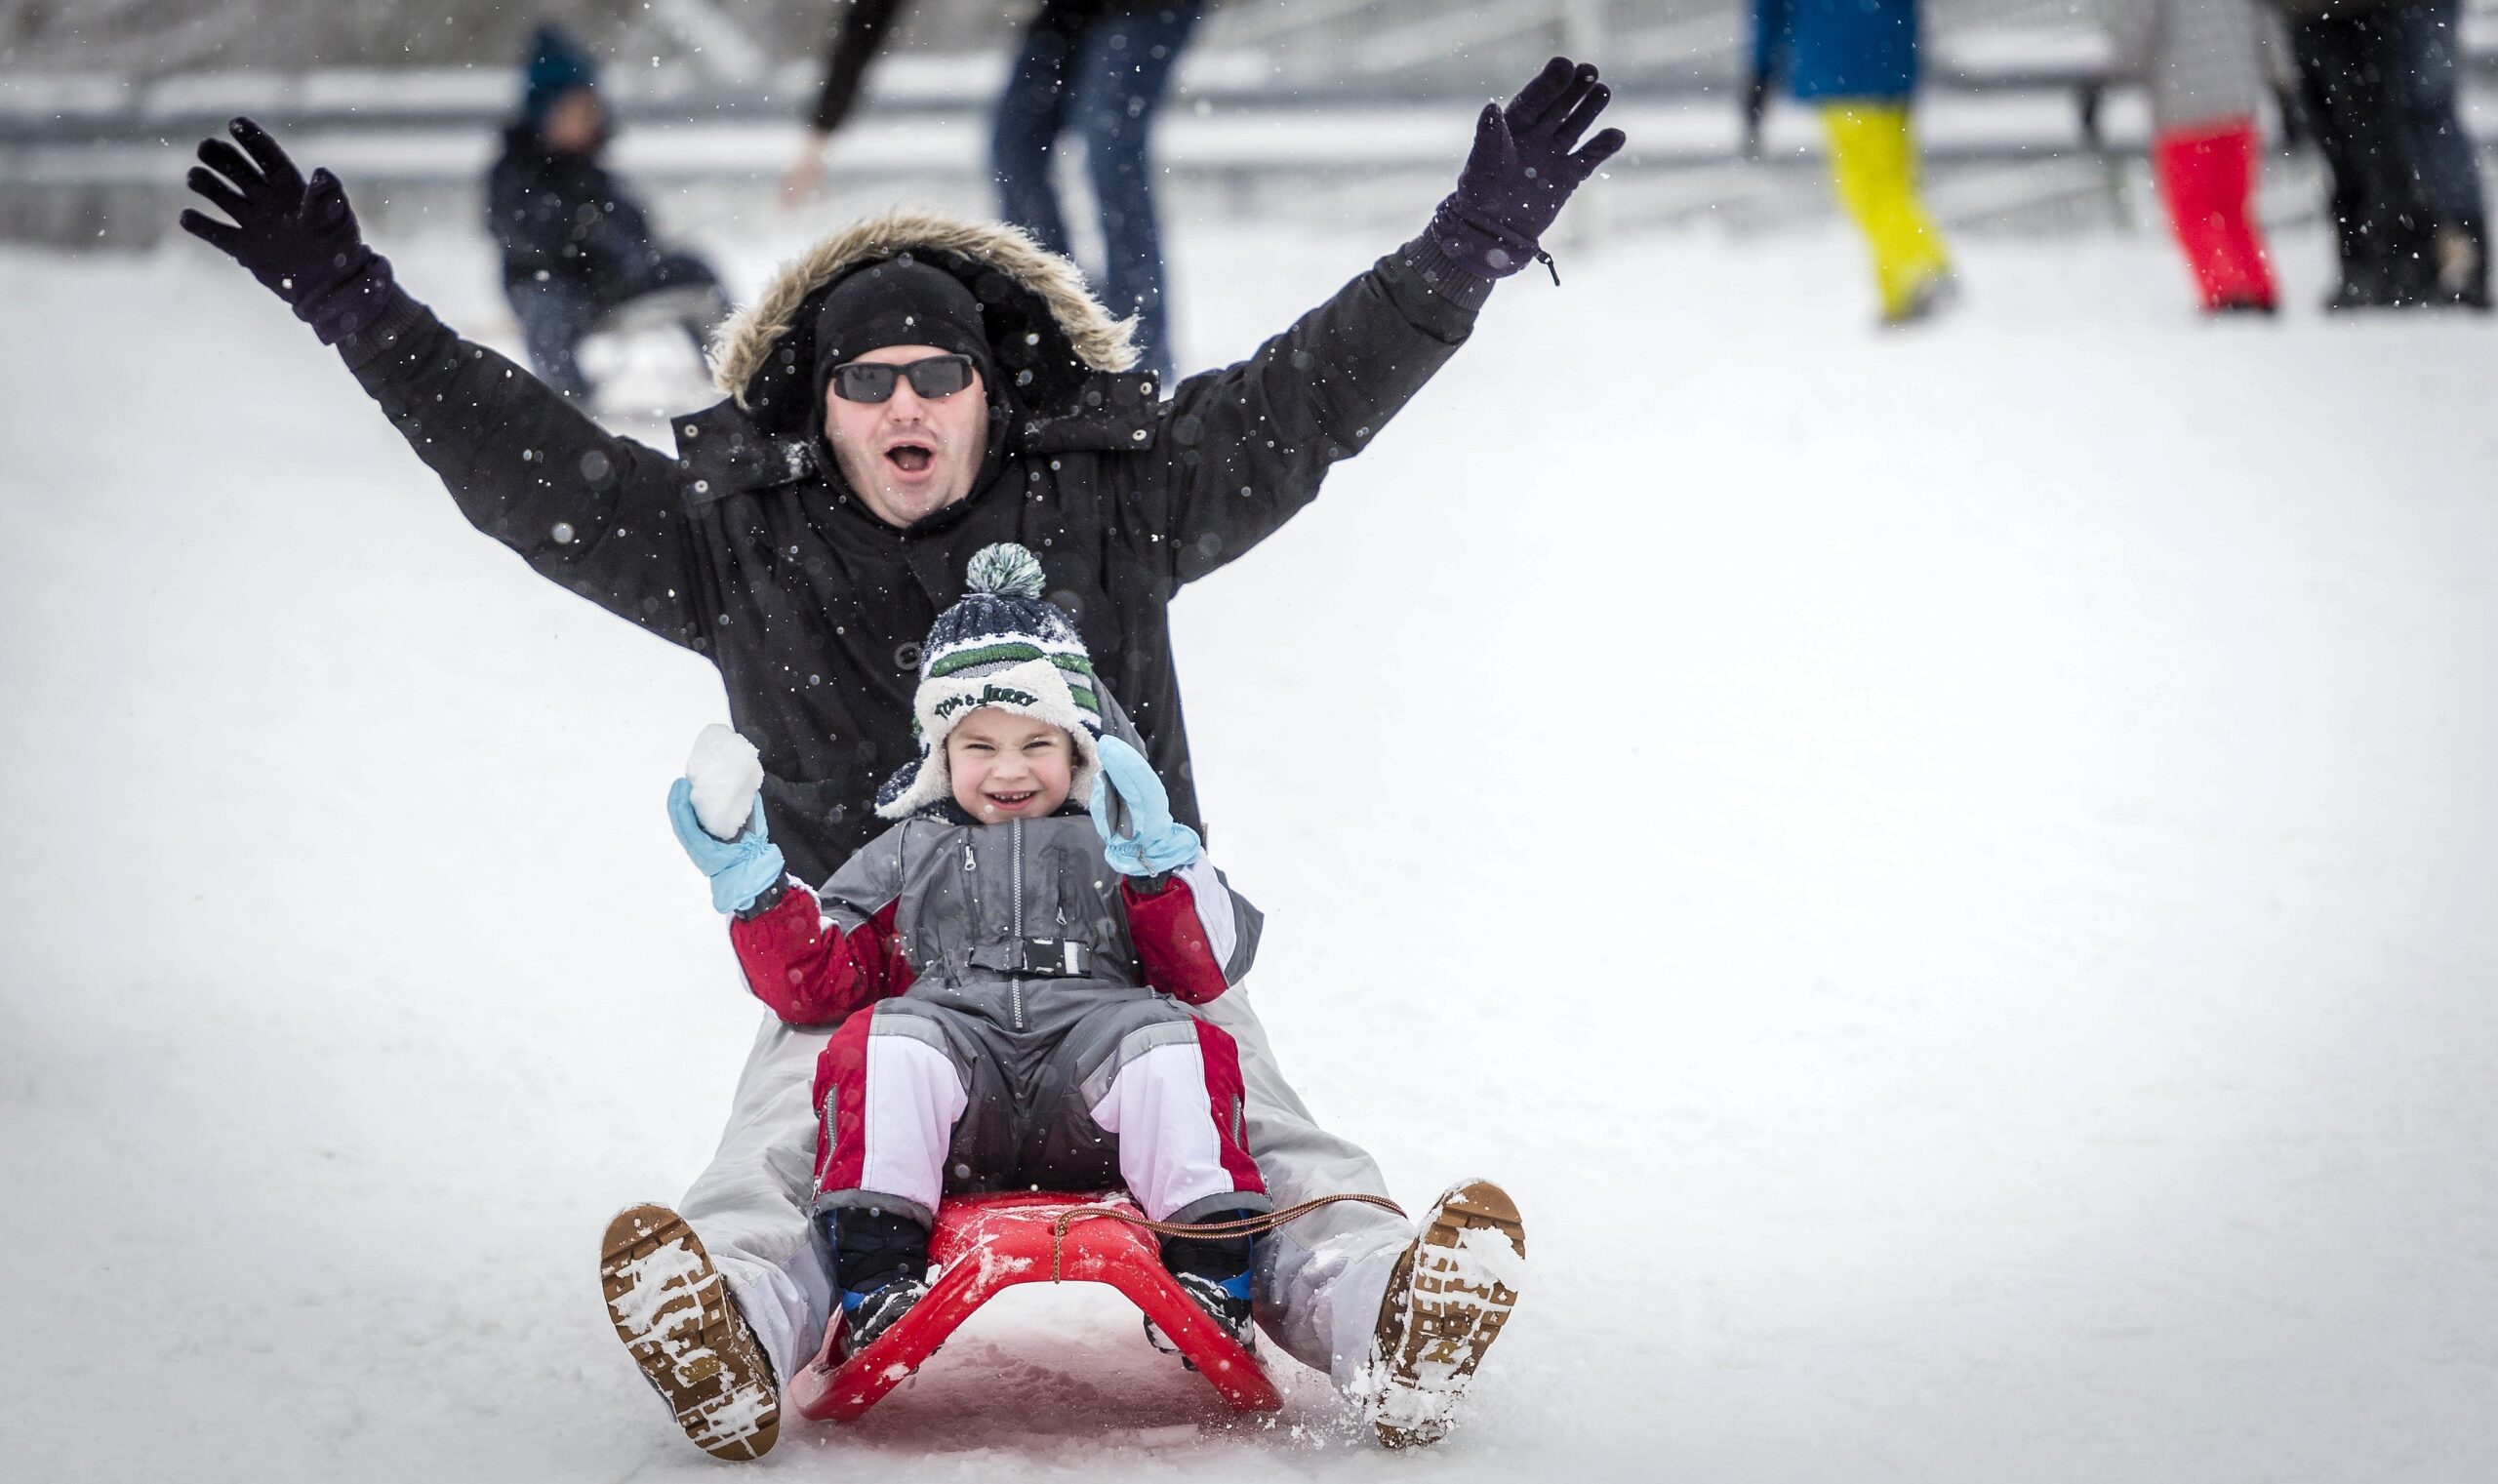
x,y
1320,1279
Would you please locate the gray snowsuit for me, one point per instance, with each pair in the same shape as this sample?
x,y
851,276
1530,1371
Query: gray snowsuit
x,y
1024,1019
1320,1280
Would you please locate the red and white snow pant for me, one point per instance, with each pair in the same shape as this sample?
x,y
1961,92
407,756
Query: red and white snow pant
x,y
1082,1087
2207,177
1320,1280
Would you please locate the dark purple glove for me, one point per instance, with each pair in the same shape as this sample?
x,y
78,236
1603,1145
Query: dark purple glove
x,y
1522,168
300,240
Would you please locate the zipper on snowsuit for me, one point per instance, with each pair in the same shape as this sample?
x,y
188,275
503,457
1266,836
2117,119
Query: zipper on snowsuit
x,y
972,894
824,1142
1014,873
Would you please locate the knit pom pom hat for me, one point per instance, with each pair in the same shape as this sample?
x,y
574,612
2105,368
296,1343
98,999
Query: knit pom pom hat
x,y
557,65
1002,646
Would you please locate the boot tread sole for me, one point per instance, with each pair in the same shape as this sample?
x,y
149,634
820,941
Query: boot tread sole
x,y
1439,1315
721,1369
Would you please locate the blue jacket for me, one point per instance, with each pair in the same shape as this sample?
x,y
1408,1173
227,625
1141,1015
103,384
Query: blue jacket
x,y
1837,48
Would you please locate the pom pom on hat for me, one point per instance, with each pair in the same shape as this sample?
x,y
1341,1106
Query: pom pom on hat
x,y
1005,569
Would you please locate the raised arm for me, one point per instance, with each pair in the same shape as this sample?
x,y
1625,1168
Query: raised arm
x,y
817,956
594,512
862,35
813,956
1239,451
855,45
1195,936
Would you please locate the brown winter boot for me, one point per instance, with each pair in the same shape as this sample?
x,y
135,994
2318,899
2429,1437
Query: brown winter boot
x,y
1452,1290
674,1313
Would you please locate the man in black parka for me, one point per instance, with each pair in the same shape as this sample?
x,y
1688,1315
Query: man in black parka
x,y
771,544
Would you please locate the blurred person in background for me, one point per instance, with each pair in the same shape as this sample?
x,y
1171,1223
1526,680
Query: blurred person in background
x,y
2352,55
1856,60
577,247
1098,69
2442,153
2203,62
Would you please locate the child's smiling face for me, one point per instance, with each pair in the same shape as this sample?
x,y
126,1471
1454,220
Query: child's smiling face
x,y
1007,766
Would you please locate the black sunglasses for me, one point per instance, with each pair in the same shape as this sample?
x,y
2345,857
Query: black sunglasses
x,y
939,376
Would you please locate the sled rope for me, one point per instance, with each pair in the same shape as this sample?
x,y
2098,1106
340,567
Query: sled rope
x,y
1245,1226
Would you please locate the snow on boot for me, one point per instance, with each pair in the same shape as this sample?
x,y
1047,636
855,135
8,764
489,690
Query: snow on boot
x,y
879,1268
866,1315
675,1315
1450,1294
1225,1301
1214,1271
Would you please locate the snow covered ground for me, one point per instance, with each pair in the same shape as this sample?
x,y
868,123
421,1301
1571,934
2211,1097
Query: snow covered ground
x,y
1951,873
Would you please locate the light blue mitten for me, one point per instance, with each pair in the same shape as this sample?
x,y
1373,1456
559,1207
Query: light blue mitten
x,y
1157,843
740,869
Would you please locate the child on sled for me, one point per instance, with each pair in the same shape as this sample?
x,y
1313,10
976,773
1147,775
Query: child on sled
x,y
1009,964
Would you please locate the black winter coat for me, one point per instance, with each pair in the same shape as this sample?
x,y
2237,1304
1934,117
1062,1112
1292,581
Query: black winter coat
x,y
748,547
563,214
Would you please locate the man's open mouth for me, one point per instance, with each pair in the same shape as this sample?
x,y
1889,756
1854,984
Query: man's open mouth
x,y
911,457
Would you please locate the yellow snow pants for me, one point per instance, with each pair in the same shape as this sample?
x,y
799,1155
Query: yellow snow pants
x,y
1874,165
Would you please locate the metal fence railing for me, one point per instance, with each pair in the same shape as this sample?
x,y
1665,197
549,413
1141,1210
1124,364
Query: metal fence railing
x,y
1321,46
1281,102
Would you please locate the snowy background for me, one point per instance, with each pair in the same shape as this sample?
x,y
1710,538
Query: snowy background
x,y
1950,872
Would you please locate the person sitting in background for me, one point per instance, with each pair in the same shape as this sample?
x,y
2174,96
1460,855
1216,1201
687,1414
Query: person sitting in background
x,y
577,247
2203,62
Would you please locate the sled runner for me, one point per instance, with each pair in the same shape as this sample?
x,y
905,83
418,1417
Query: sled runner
x,y
985,1244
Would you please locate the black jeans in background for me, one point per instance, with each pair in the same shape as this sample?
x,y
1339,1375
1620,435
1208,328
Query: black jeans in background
x,y
2449,164
2350,71
1099,71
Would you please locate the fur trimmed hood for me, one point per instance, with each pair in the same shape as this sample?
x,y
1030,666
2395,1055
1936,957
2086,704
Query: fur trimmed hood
x,y
1047,331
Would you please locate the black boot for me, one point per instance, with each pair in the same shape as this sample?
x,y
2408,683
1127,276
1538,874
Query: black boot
x,y
1215,1272
2391,269
879,1264
2462,260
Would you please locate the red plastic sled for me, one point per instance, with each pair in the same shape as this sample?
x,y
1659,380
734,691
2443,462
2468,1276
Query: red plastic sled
x,y
983,1244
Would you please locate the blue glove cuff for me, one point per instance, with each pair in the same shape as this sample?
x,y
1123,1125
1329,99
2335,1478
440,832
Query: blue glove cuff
x,y
735,888
1162,851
